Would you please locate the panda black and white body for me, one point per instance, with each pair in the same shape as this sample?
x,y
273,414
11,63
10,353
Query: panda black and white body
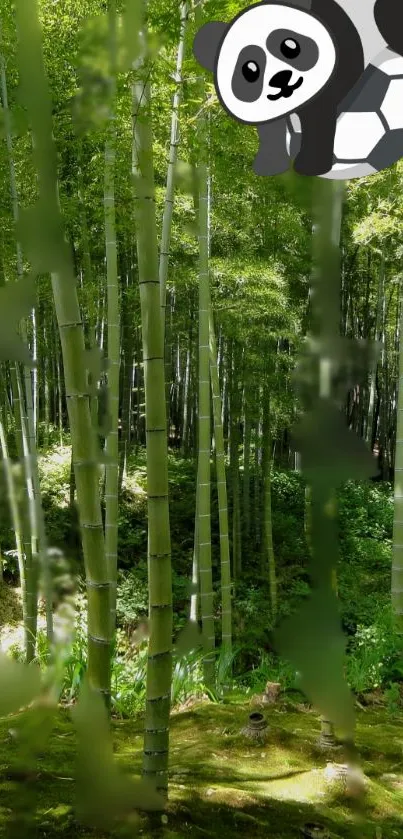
x,y
296,57
362,15
277,58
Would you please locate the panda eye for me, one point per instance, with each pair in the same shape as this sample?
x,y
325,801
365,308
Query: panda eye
x,y
250,71
290,48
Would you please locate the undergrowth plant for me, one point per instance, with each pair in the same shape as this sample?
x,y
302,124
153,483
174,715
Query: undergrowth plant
x,y
375,656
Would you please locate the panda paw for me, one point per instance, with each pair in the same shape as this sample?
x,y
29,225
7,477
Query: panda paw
x,y
312,166
266,167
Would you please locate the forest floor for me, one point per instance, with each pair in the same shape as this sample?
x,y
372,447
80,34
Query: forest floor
x,y
221,785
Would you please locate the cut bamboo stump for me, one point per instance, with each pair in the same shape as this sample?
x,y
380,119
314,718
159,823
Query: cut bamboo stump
x,y
269,697
349,780
315,830
256,729
327,740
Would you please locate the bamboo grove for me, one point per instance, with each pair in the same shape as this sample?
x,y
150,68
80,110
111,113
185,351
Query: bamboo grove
x,y
136,329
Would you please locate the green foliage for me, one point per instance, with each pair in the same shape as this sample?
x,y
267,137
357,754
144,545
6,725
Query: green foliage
x,y
375,654
365,532
132,595
270,668
393,697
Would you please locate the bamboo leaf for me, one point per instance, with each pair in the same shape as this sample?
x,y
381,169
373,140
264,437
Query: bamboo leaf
x,y
16,301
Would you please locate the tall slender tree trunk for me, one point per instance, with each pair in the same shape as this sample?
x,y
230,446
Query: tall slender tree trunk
x,y
127,375
186,392
170,188
195,591
234,388
256,479
246,466
226,588
113,322
333,224
56,257
397,544
159,667
268,559
371,408
204,405
36,559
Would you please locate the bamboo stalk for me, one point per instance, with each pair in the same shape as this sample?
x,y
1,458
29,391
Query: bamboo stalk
x,y
204,407
397,543
113,318
56,254
225,563
159,666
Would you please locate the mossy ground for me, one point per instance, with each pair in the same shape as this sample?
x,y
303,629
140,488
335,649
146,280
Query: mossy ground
x,y
221,785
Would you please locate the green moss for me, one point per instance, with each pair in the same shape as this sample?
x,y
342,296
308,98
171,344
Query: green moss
x,y
10,606
221,785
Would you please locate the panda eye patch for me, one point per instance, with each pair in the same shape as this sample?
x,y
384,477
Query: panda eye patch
x,y
248,75
297,50
290,48
251,71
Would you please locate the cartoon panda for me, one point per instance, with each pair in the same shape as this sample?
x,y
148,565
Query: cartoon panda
x,y
362,15
280,57
389,20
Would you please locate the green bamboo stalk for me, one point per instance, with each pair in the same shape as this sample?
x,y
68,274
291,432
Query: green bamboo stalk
x,y
226,587
267,541
234,400
329,226
173,154
30,528
18,516
55,250
127,370
377,336
17,524
397,543
169,197
195,594
113,319
35,558
159,667
204,408
246,465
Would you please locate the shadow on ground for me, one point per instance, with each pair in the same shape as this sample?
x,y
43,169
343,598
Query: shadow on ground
x,y
221,785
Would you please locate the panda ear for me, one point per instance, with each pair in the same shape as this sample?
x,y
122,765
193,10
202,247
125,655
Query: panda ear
x,y
306,5
206,43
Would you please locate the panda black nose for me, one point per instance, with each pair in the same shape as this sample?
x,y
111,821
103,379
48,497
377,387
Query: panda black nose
x,y
281,79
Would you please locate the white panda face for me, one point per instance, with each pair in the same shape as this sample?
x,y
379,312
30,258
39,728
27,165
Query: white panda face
x,y
273,60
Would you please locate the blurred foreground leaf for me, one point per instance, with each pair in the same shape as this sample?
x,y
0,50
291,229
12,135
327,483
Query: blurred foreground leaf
x,y
330,452
314,642
16,302
189,639
20,684
103,792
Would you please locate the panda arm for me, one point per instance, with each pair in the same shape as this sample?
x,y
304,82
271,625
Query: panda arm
x,y
272,157
318,128
389,20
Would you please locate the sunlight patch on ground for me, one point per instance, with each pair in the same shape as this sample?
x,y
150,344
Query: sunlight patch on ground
x,y
135,483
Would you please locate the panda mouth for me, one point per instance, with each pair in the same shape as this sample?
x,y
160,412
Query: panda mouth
x,y
286,90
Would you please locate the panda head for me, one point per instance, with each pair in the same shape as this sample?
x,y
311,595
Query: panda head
x,y
269,61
